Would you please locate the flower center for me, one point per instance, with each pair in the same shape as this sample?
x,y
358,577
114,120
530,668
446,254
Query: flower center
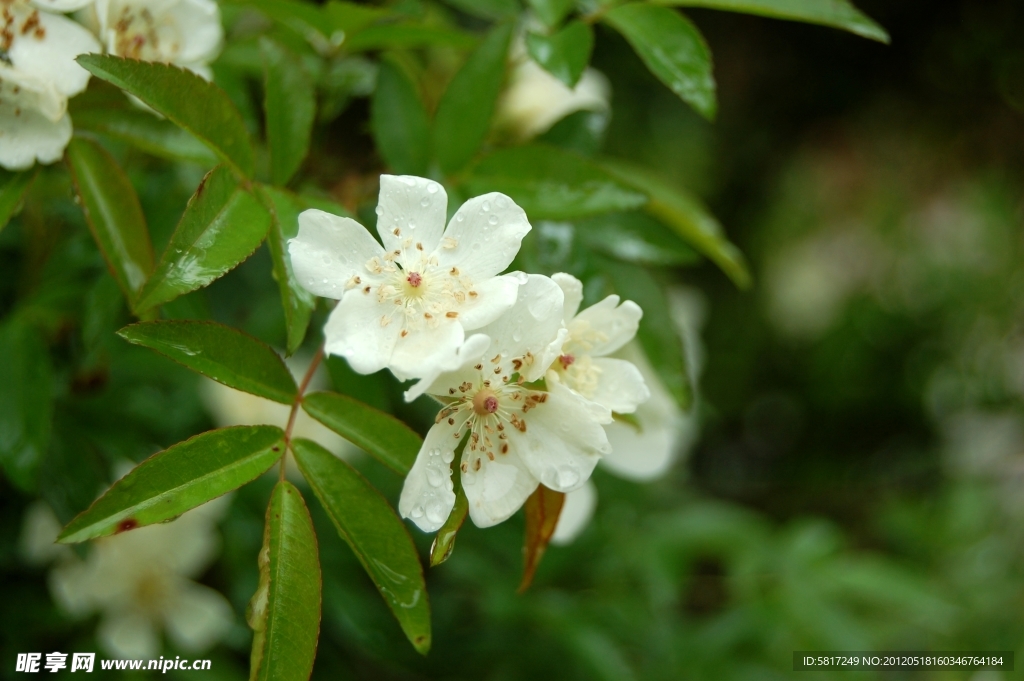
x,y
566,360
414,279
485,402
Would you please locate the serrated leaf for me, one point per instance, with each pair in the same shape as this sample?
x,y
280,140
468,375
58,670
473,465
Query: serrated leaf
x,y
657,335
13,187
407,36
114,215
672,48
542,510
552,183
444,540
399,121
178,479
289,103
223,224
145,131
835,13
376,535
686,216
380,435
298,303
464,113
284,613
564,54
26,402
196,105
226,355
551,12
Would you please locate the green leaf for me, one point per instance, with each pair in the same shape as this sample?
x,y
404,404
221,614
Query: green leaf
x,y
551,183
407,36
284,613
835,13
290,105
444,540
551,12
145,131
542,510
304,18
223,225
495,10
13,187
377,536
298,303
564,54
226,355
26,402
399,121
672,48
350,17
199,107
114,215
657,335
380,435
686,216
178,479
635,237
464,113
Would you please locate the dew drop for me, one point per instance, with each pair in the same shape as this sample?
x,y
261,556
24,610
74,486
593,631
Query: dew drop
x,y
417,512
424,202
493,220
469,478
379,210
448,456
486,206
435,511
501,201
434,477
568,476
432,187
460,217
327,260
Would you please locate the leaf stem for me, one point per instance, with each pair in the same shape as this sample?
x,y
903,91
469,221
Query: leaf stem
x,y
317,358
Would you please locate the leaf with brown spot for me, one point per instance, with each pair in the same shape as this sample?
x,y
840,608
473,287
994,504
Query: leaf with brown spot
x,y
542,511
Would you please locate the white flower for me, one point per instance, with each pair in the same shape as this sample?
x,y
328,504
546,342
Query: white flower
x,y
139,582
408,304
519,434
37,75
535,100
185,33
594,333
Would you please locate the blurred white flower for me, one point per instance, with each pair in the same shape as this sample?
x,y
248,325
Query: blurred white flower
x,y
519,436
661,434
408,304
37,75
535,100
140,581
185,33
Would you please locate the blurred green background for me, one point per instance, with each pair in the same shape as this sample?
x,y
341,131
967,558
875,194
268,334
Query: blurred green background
x,y
857,481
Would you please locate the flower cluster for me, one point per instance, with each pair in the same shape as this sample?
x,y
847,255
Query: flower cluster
x,y
525,380
39,43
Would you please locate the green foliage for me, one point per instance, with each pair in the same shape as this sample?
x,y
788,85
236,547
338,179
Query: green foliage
x,y
408,36
401,126
551,183
223,224
835,13
565,53
444,541
13,187
224,354
381,435
26,401
289,103
180,478
551,12
144,131
114,215
285,610
672,48
464,113
199,107
298,303
375,534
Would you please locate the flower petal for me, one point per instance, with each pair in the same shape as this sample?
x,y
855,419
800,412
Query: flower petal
x,y
620,387
572,289
427,351
562,442
484,236
607,327
531,325
449,375
197,617
129,634
414,206
494,297
354,331
427,497
329,251
199,27
27,134
49,52
577,510
498,489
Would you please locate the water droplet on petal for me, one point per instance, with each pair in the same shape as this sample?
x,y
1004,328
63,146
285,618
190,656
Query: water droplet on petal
x,y
448,456
486,206
460,217
424,202
379,210
417,512
493,220
434,476
435,511
469,478
432,187
568,476
327,260
501,201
